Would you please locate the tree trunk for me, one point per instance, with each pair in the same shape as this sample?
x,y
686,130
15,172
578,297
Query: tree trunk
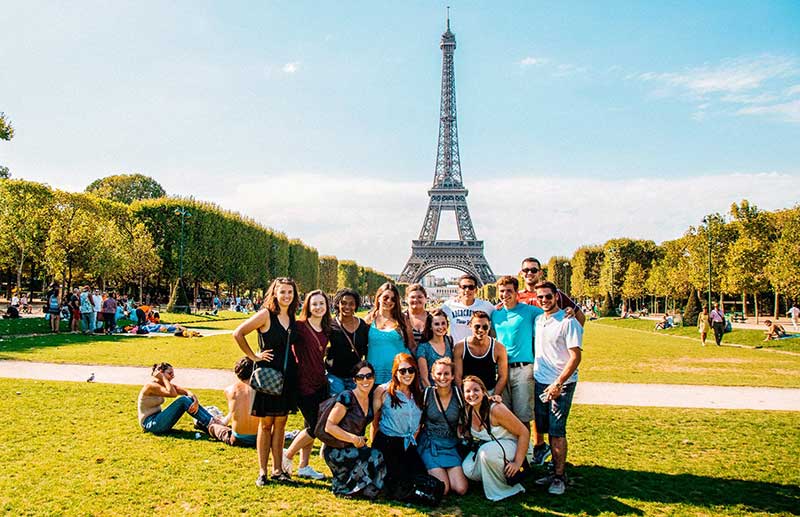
x,y
19,269
775,315
755,306
744,304
141,286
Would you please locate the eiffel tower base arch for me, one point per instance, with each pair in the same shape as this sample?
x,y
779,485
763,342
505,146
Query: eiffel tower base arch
x,y
466,256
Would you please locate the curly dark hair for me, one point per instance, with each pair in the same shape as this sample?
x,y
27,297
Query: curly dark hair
x,y
341,293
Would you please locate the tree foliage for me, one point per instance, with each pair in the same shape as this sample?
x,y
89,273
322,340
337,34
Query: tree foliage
x,y
328,269
783,266
126,188
559,271
6,129
634,284
586,264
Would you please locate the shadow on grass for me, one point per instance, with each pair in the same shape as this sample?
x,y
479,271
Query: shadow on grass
x,y
596,490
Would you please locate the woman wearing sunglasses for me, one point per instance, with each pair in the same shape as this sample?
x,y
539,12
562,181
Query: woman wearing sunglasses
x,y
481,355
397,407
389,332
357,469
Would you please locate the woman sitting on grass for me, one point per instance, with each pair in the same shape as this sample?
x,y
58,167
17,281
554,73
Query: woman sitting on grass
x,y
504,440
157,421
358,470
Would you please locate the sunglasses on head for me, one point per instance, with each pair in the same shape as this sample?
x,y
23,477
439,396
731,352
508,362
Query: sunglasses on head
x,y
467,287
364,376
481,326
548,296
527,270
407,371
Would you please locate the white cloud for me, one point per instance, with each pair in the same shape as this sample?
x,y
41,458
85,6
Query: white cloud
x,y
374,221
291,67
566,69
532,61
787,111
730,76
794,90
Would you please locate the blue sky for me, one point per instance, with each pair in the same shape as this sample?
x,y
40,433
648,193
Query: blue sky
x,y
320,119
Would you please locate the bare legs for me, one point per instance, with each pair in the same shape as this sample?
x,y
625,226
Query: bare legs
x,y
453,479
303,443
559,446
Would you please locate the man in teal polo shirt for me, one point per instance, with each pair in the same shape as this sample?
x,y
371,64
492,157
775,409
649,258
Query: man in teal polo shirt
x,y
514,325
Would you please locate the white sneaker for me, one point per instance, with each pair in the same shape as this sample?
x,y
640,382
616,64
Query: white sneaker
x,y
286,463
309,472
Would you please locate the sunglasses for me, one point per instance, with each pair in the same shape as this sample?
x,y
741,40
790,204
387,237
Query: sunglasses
x,y
364,376
527,270
407,371
483,326
468,287
544,296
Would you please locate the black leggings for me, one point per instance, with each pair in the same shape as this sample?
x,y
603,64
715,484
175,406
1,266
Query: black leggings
x,y
109,323
401,464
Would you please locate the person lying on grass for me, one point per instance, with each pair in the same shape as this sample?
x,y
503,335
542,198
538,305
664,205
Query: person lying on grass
x,y
157,421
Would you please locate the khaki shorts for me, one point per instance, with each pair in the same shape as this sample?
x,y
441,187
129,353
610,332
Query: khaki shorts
x,y
518,393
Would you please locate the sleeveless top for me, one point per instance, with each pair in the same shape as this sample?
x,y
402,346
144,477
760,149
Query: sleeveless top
x,y
383,346
421,335
401,421
436,423
148,405
275,339
484,367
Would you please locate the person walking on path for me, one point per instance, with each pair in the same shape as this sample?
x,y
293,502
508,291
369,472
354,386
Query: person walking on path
x,y
702,325
794,314
717,318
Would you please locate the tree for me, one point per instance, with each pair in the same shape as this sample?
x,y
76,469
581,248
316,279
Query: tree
x,y
783,267
6,130
6,133
126,188
746,258
633,287
141,259
608,310
328,268
25,217
692,309
617,256
585,279
560,271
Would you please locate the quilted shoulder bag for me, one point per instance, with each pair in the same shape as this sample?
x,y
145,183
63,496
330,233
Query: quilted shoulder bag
x,y
268,380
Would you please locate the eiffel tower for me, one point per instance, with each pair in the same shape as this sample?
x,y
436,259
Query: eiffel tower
x,y
448,194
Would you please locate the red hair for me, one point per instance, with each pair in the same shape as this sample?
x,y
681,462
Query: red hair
x,y
416,391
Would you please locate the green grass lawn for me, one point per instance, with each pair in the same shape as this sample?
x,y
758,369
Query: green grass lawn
x,y
76,449
611,354
748,337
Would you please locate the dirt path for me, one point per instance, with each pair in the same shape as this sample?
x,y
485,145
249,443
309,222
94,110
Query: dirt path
x,y
603,393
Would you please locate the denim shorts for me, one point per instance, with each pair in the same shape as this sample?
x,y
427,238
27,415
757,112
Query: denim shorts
x,y
551,417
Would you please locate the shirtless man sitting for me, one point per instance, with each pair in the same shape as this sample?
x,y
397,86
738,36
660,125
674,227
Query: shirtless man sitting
x,y
774,330
238,427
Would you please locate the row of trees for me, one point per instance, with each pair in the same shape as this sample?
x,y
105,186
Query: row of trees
x,y
123,232
754,254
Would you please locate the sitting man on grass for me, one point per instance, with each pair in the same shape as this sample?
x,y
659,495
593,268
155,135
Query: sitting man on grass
x,y
238,427
774,330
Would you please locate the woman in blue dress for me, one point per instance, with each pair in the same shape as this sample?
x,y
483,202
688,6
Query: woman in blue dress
x,y
389,332
444,421
440,345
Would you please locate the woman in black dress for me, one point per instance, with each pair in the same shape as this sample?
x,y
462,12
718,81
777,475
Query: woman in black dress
x,y
276,331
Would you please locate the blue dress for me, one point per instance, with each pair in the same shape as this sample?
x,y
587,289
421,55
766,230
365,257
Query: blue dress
x,y
383,346
431,356
437,440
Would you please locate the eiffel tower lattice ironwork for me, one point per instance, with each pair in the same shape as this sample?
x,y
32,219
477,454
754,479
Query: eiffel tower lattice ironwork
x,y
448,194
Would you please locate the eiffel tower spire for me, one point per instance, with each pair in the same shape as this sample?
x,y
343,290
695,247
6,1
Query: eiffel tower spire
x,y
447,193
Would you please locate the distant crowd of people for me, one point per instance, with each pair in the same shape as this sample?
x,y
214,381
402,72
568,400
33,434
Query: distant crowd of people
x,y
465,392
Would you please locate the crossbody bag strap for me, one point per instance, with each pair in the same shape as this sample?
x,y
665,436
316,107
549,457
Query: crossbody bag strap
x,y
313,333
286,352
347,336
492,436
444,411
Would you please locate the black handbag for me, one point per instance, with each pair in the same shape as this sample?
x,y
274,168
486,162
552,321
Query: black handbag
x,y
421,489
268,380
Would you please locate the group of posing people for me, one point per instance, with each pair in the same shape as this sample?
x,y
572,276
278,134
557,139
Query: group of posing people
x,y
451,395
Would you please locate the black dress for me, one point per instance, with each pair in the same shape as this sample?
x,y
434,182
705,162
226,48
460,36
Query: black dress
x,y
276,339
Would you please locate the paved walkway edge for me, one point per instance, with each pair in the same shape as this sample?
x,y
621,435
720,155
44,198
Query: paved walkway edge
x,y
601,393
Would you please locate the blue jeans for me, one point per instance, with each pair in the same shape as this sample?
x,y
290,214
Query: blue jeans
x,y
339,384
551,416
92,321
166,419
86,321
